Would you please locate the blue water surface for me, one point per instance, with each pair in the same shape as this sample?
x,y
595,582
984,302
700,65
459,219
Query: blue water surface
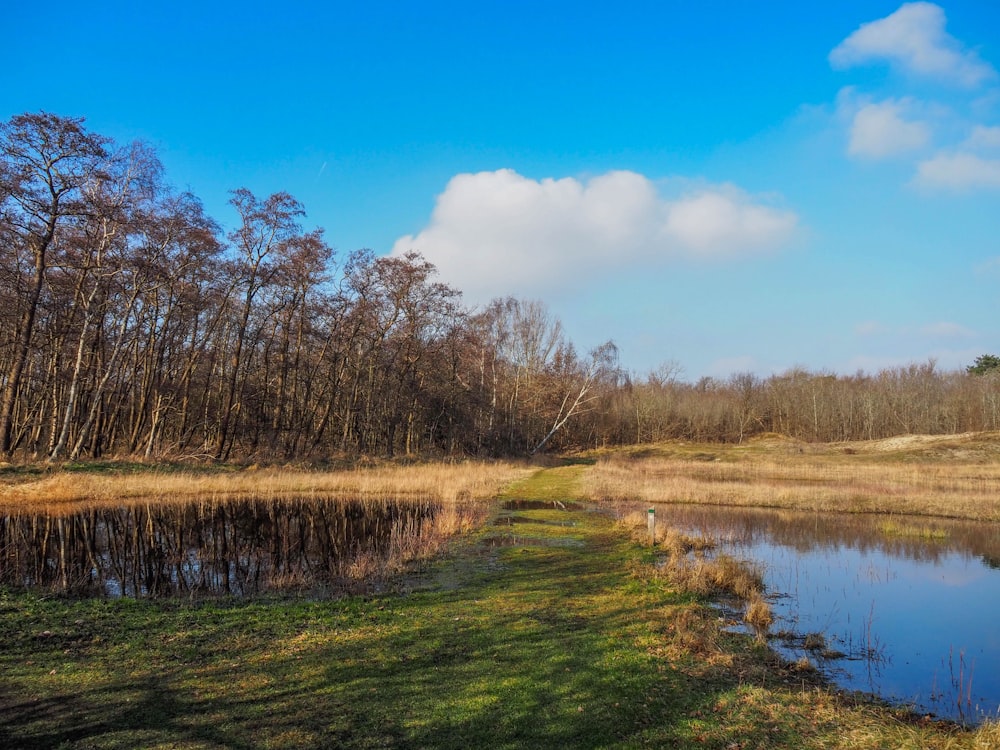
x,y
908,608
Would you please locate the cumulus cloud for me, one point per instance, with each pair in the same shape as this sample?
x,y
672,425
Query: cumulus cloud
x,y
915,39
960,170
498,233
879,130
721,221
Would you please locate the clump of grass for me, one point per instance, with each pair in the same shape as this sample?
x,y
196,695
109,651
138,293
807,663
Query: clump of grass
x,y
814,642
758,615
727,575
928,533
803,665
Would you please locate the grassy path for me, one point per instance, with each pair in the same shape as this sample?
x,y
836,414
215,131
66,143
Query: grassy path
x,y
541,631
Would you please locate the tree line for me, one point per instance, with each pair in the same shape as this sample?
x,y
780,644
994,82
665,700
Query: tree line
x,y
131,324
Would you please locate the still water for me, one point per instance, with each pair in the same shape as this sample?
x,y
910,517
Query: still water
x,y
905,608
238,547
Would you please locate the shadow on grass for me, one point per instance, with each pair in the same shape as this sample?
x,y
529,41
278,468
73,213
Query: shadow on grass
x,y
122,714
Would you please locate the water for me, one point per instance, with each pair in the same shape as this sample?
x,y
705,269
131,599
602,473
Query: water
x,y
237,547
904,608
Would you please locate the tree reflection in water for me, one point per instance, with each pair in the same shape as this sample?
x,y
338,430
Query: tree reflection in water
x,y
237,547
914,538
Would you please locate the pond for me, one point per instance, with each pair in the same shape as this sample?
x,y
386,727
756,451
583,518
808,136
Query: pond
x,y
235,547
904,608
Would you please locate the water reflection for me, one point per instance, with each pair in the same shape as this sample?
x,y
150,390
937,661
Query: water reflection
x,y
905,608
238,547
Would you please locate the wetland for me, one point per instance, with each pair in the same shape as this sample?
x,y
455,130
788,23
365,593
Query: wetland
x,y
903,607
516,607
235,547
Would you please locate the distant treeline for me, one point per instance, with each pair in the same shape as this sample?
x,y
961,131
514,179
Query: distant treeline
x,y
130,325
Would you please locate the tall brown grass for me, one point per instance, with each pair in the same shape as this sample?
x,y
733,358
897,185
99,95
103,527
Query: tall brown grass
x,y
440,482
687,564
858,483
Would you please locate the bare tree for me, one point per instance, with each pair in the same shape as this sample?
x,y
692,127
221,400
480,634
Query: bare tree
x,y
266,227
129,179
48,161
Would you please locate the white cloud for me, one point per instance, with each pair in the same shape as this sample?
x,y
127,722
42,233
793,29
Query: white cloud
x,y
970,166
879,130
722,221
914,38
958,171
498,233
984,137
947,330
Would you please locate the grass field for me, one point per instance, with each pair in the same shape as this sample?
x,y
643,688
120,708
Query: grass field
x,y
547,627
444,482
947,476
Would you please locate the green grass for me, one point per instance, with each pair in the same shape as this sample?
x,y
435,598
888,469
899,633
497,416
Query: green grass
x,y
540,630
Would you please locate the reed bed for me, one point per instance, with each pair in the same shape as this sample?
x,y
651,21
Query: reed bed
x,y
859,483
439,482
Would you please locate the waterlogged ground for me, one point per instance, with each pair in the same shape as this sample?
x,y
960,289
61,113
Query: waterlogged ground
x,y
547,628
903,607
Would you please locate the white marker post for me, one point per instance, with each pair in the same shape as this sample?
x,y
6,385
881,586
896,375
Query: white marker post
x,y
651,523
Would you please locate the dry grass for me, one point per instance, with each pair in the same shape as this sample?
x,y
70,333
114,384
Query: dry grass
x,y
690,629
683,562
987,736
894,528
814,718
440,482
666,537
857,479
758,614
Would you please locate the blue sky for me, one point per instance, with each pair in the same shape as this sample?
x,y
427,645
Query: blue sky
x,y
724,186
